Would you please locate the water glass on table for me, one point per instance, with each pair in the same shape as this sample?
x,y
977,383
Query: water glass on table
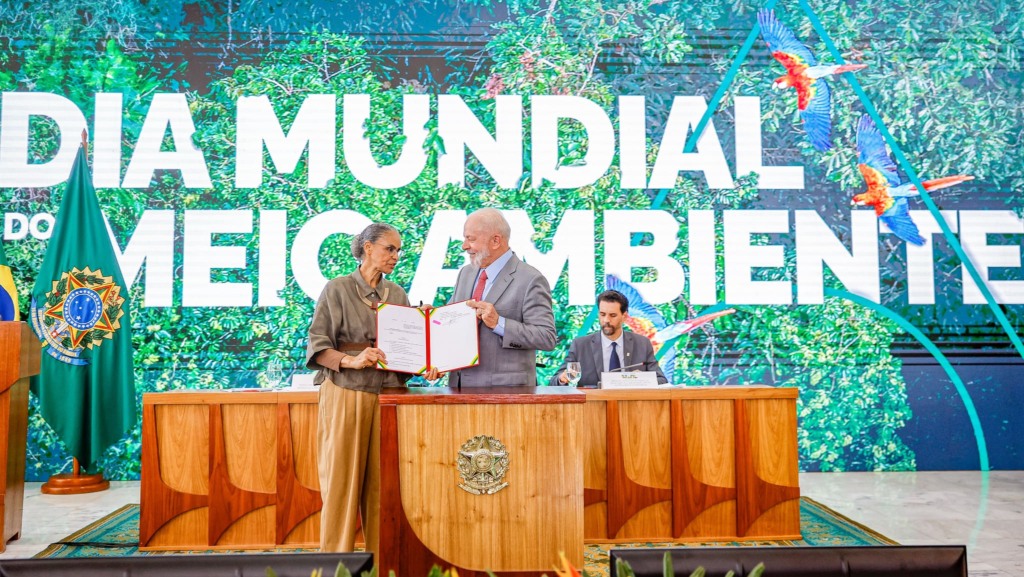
x,y
573,372
274,374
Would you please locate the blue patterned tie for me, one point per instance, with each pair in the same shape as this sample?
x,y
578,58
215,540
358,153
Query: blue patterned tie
x,y
613,362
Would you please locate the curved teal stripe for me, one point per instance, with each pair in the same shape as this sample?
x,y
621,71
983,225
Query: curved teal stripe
x,y
972,413
912,174
979,434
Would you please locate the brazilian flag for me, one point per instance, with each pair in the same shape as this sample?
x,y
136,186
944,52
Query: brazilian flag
x,y
80,312
8,293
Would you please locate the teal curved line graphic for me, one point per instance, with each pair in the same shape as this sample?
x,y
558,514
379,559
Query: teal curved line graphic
x,y
901,158
972,413
979,433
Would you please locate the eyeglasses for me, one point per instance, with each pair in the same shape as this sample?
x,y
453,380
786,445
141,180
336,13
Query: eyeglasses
x,y
392,249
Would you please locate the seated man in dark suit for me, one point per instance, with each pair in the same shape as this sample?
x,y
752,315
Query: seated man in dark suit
x,y
611,347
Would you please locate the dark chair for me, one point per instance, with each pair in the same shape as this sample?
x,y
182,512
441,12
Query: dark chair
x,y
239,565
888,561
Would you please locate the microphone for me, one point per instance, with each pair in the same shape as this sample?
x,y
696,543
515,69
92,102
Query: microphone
x,y
627,367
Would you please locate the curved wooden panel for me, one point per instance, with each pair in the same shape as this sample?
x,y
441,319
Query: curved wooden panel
x,y
183,435
253,528
710,441
646,449
307,533
625,496
690,495
248,452
779,522
250,436
159,503
773,441
718,444
228,502
653,520
595,448
295,501
302,419
754,495
595,522
715,523
184,531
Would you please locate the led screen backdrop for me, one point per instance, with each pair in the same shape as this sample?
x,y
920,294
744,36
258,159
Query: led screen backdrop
x,y
236,147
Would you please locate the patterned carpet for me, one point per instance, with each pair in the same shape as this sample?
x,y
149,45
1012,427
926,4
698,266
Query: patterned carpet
x,y
117,534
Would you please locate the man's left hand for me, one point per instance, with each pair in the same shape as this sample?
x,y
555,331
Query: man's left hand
x,y
485,312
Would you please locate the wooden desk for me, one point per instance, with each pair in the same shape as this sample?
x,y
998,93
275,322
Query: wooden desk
x,y
238,469
691,464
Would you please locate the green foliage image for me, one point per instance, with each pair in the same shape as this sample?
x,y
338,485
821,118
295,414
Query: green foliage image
x,y
956,106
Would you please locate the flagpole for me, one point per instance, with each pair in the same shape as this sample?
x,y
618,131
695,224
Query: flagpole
x,y
76,483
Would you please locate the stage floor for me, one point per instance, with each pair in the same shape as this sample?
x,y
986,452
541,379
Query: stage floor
x,y
983,511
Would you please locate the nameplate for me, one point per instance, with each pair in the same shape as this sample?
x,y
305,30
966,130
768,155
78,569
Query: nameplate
x,y
632,380
303,381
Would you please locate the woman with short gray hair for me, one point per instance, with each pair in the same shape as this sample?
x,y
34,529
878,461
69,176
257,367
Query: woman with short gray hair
x,y
343,350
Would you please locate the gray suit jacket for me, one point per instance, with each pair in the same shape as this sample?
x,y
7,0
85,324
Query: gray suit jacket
x,y
521,295
637,349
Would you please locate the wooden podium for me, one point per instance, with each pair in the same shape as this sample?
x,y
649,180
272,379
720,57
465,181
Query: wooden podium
x,y
432,439
19,359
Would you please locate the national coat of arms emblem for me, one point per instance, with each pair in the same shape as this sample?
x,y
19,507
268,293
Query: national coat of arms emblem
x,y
482,463
82,310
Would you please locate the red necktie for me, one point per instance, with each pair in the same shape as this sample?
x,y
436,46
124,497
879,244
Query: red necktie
x,y
478,292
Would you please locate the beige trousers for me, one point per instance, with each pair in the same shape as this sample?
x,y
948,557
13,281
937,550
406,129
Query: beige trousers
x,y
348,433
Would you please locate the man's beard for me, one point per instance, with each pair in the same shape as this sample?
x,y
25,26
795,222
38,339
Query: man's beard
x,y
607,329
478,259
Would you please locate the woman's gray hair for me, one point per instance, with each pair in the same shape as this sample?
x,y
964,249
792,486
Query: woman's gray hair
x,y
370,234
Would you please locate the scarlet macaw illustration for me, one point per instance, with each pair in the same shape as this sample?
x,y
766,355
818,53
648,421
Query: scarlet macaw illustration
x,y
644,319
804,74
885,192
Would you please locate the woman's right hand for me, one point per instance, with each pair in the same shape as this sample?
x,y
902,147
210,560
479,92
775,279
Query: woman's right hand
x,y
367,358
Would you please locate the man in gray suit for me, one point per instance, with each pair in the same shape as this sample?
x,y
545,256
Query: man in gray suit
x,y
611,347
512,300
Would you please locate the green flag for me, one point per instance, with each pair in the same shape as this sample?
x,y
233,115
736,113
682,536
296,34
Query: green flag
x,y
80,312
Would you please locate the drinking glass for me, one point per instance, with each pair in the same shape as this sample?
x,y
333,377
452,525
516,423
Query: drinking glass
x,y
573,373
274,373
